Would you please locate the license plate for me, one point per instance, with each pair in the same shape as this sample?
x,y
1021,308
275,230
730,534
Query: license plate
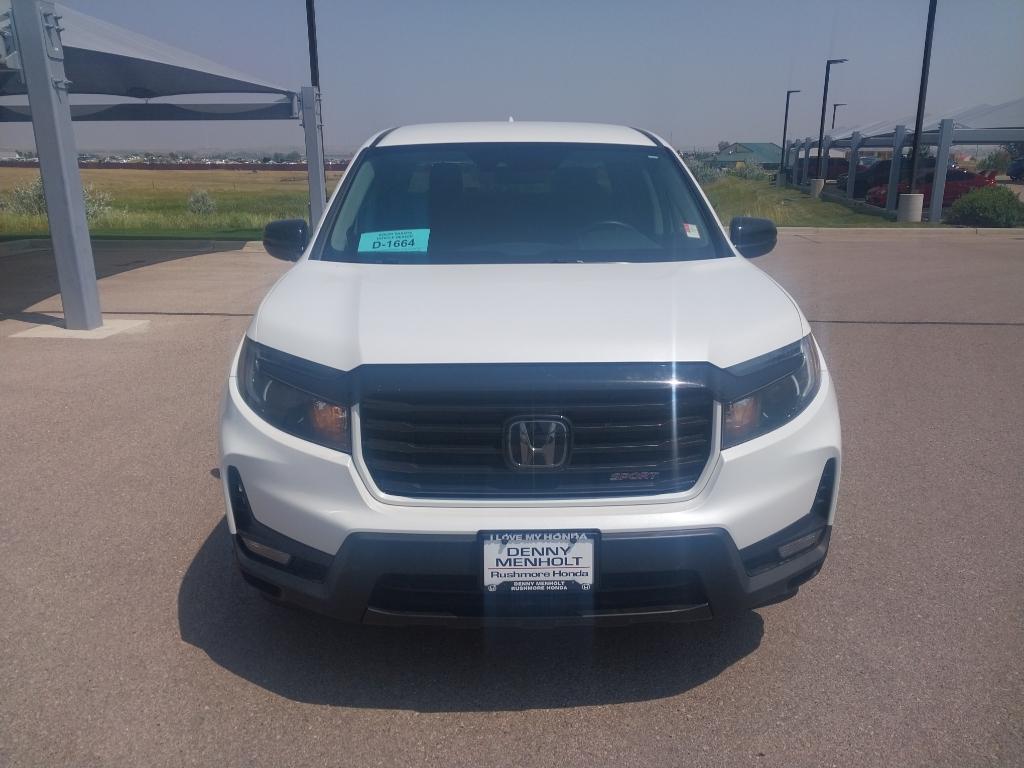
x,y
538,561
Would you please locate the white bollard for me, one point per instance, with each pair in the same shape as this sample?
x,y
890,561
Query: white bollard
x,y
816,186
910,207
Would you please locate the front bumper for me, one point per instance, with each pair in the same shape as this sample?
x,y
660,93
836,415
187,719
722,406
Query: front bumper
x,y
378,559
400,579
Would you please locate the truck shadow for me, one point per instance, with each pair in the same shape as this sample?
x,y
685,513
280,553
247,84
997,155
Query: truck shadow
x,y
309,658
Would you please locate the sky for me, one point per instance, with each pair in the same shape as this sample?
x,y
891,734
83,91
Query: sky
x,y
695,72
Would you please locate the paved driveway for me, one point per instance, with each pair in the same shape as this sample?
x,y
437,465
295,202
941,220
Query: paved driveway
x,y
128,639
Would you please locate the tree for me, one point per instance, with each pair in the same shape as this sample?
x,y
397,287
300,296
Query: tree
x,y
723,144
1015,148
995,161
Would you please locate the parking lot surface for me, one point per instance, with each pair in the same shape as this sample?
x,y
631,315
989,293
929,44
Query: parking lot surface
x,y
128,638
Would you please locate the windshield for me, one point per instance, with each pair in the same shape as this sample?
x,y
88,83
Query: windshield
x,y
517,203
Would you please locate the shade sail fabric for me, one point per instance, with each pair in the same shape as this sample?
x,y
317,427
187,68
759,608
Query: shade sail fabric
x,y
153,110
1009,114
103,58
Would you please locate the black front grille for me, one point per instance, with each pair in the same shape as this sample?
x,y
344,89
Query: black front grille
x,y
632,441
461,595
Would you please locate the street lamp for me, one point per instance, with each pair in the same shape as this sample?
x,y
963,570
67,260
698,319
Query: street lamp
x,y
314,60
785,125
834,108
922,94
824,104
314,80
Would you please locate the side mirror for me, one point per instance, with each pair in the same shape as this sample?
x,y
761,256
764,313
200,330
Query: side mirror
x,y
286,239
752,237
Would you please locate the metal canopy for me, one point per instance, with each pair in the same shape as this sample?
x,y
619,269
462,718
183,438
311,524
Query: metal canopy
x,y
103,58
49,52
163,110
1009,114
980,125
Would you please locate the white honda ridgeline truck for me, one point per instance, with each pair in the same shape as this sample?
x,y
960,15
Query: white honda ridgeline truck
x,y
519,373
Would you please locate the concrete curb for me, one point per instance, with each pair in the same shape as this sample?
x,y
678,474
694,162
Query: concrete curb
x,y
20,246
12,247
915,231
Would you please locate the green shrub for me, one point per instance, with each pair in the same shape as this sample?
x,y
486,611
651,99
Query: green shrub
x,y
30,200
200,202
704,171
988,207
995,161
750,170
97,203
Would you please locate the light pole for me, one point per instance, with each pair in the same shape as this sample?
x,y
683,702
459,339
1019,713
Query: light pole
x,y
314,62
834,108
785,125
824,104
314,113
922,94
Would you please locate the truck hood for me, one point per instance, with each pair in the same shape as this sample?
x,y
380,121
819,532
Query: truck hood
x,y
343,315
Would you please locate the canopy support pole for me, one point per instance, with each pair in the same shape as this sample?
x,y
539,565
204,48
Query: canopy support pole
x,y
314,153
893,194
805,176
41,60
939,175
851,171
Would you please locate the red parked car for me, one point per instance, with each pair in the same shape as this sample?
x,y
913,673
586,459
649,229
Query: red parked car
x,y
958,183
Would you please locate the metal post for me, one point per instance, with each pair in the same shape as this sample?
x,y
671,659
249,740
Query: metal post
x,y
922,93
851,172
314,74
824,105
825,148
899,137
807,161
314,59
785,125
834,108
941,164
40,56
310,98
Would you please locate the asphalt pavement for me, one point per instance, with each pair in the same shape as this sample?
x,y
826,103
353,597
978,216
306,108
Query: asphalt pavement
x,y
127,638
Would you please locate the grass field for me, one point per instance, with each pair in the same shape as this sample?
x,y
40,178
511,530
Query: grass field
x,y
787,207
154,203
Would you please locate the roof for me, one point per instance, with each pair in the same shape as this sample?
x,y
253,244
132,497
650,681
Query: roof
x,y
758,151
103,58
472,133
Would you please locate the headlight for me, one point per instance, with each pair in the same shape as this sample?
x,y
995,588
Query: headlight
x,y
773,405
274,385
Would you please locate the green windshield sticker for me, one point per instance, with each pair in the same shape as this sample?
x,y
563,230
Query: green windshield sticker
x,y
395,241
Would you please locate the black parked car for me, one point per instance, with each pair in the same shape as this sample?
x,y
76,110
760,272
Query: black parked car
x,y
836,166
1015,170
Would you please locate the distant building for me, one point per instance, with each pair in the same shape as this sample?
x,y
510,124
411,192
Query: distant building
x,y
8,154
765,154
